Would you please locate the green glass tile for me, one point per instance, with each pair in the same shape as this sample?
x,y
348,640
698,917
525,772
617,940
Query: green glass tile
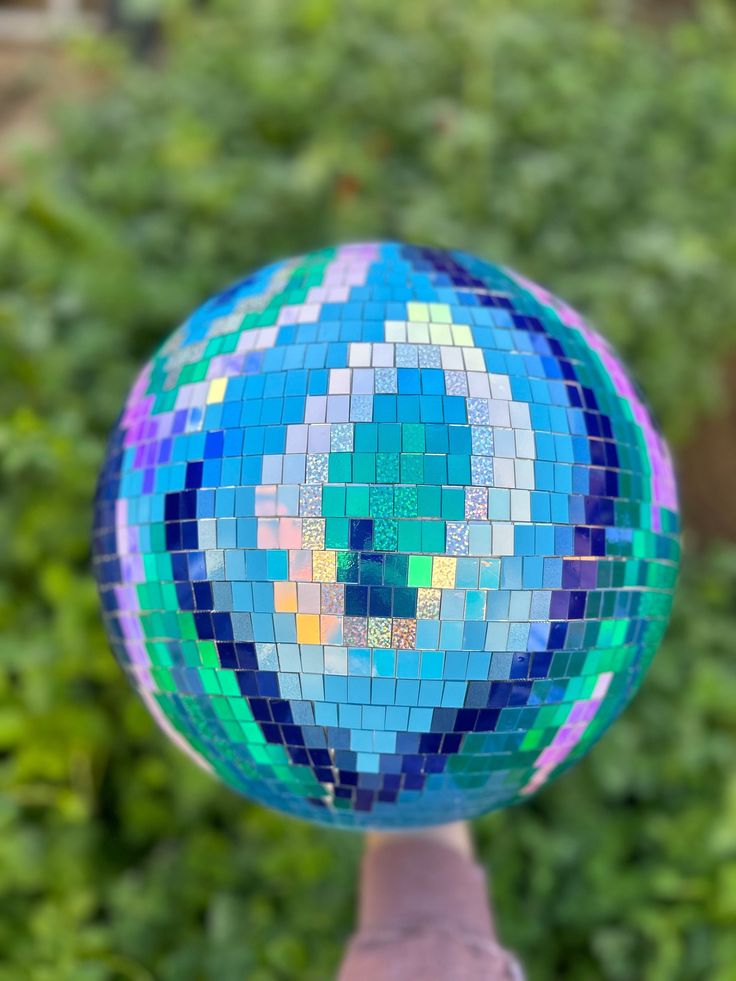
x,y
158,537
429,503
186,626
191,655
508,720
159,654
208,677
233,731
593,604
371,572
618,573
207,652
333,501
364,467
340,468
222,708
433,536
145,591
420,570
169,596
410,536
453,503
347,567
395,570
163,679
356,502
336,533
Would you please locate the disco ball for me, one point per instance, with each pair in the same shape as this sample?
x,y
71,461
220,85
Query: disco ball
x,y
385,536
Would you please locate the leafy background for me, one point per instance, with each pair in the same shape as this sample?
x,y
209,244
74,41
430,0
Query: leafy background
x,y
592,149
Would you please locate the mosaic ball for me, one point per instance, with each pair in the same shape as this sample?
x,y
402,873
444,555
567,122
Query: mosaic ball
x,y
385,536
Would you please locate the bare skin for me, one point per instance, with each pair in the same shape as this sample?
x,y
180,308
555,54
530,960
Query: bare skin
x,y
424,911
455,835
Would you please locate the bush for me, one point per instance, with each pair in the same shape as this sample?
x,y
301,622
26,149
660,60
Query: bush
x,y
586,151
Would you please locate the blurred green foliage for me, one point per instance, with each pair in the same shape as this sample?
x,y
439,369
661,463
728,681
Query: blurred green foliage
x,y
590,152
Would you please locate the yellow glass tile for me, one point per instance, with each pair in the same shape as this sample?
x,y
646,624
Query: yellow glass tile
x,y
418,312
216,391
461,335
443,572
440,334
307,628
440,313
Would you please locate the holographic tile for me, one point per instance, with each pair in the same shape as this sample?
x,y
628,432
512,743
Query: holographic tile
x,y
428,604
313,533
333,598
476,502
341,438
404,634
355,631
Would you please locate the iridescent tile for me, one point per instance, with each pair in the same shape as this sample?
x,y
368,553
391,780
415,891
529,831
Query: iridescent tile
x,y
482,437
385,535
456,383
403,634
443,572
355,631
477,411
406,504
313,533
333,598
341,438
406,356
386,383
429,356
456,538
361,408
324,568
379,632
317,465
476,502
310,500
428,604
481,469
